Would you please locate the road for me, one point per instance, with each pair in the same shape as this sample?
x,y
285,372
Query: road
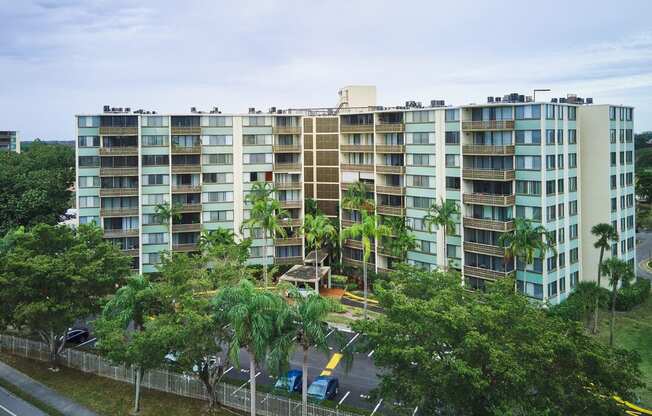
x,y
643,252
11,405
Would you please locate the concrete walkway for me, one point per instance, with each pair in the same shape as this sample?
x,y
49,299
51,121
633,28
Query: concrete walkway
x,y
42,393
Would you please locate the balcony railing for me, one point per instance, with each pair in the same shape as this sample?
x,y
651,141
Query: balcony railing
x,y
190,208
132,252
290,204
130,171
390,190
362,148
288,185
487,199
390,148
286,148
184,189
484,273
118,131
119,151
489,174
390,210
186,131
118,212
118,191
291,222
177,228
290,241
286,130
390,127
478,149
185,247
186,168
359,168
181,150
398,170
288,260
357,263
347,223
287,166
356,128
488,125
485,224
484,249
119,233
353,243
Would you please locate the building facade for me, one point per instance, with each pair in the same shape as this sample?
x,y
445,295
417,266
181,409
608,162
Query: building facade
x,y
9,141
563,164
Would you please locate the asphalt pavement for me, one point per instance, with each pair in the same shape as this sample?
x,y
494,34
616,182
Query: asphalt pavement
x,y
643,252
11,405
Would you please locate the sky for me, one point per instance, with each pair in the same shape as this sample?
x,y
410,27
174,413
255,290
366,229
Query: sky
x,y
59,58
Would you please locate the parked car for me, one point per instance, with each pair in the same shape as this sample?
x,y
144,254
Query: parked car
x,y
76,335
324,388
290,382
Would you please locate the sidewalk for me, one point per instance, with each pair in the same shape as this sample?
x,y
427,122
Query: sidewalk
x,y
42,393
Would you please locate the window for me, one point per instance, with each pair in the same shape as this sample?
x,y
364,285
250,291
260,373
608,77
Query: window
x,y
155,199
560,136
612,135
451,251
89,219
531,213
550,111
452,161
574,255
257,158
560,186
218,159
629,135
528,162
572,184
89,141
572,113
552,289
420,116
550,187
155,160
551,213
154,121
89,181
253,121
560,161
573,232
453,115
210,178
419,202
151,258
158,179
612,113
572,134
420,138
550,162
226,196
89,202
533,290
256,139
527,112
452,137
528,187
528,137
155,238
453,182
421,181
629,157
613,182
425,247
152,219
185,141
217,216
421,159
550,136
614,205
572,160
561,212
150,141
88,121
628,114
216,121
417,224
89,161
572,208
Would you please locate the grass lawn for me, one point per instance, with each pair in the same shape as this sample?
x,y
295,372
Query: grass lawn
x,y
105,396
633,331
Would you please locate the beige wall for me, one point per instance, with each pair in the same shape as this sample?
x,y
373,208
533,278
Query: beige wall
x,y
357,96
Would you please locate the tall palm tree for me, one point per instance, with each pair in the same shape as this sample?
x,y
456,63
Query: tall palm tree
x,y
258,318
444,216
318,230
357,197
621,272
369,229
525,241
402,240
168,213
606,234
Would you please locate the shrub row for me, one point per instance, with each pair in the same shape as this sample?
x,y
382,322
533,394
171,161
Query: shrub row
x,y
632,295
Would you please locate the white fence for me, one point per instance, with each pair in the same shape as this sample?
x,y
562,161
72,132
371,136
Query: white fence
x,y
167,381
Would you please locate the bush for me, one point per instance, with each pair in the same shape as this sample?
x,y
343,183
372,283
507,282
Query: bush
x,y
338,280
632,295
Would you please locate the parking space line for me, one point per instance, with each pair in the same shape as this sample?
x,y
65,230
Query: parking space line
x,y
332,363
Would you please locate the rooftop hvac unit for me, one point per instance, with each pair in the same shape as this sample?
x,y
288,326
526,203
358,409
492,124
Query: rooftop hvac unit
x,y
410,104
554,100
437,103
521,98
252,110
193,109
497,99
589,100
272,110
513,97
490,99
562,100
529,99
107,108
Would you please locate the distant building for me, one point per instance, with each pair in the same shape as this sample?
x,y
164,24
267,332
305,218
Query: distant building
x,y
9,141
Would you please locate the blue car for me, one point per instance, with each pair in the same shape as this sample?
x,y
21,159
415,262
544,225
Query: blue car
x,y
290,382
324,388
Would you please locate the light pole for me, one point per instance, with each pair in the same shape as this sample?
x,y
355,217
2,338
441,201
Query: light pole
x,y
534,92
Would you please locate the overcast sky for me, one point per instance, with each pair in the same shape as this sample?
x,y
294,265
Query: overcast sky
x,y
63,57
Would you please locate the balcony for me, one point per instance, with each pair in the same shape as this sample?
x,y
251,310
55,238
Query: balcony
x,y
134,252
484,249
397,170
347,223
358,168
118,131
488,199
186,168
390,148
291,222
290,204
477,149
356,128
184,189
488,125
390,128
390,210
384,270
358,263
286,130
185,247
484,273
118,191
489,174
179,228
119,151
183,150
288,260
485,224
120,233
130,171
288,185
189,208
358,148
186,131
353,243
291,241
287,167
390,190
286,148
118,212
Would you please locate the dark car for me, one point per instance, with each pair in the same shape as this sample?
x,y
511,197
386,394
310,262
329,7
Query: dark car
x,y
324,388
290,382
77,335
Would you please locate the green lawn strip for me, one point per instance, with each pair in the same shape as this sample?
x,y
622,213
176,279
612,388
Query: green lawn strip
x,y
633,332
106,396
29,399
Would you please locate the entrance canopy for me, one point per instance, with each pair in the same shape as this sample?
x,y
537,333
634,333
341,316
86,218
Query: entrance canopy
x,y
321,256
306,275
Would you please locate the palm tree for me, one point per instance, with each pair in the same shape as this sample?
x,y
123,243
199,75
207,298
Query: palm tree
x,y
257,318
526,240
168,213
260,191
444,216
621,272
369,229
357,197
318,230
606,234
402,240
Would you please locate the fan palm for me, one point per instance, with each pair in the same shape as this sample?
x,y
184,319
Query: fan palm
x,y
606,234
357,197
621,272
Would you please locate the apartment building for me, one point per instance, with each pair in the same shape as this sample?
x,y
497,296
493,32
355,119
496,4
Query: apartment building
x,y
510,157
9,141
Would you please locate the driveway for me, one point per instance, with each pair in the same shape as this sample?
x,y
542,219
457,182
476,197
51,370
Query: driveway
x,y
11,405
643,252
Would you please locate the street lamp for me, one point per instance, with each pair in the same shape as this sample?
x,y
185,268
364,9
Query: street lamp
x,y
534,92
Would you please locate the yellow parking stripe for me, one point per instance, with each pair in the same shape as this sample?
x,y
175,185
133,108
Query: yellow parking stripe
x,y
332,363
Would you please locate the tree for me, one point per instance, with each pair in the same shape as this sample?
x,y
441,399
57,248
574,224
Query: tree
x,y
525,241
644,185
224,256
621,272
35,185
368,230
257,318
267,214
443,216
168,213
606,234
123,329
311,207
317,230
454,352
357,197
580,304
401,240
52,276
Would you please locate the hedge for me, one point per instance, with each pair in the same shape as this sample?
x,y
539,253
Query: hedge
x,y
632,295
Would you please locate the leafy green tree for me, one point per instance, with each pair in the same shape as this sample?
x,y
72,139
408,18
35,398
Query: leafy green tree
x,y
644,185
52,276
401,240
258,318
444,216
606,234
357,197
454,352
369,231
223,255
35,185
318,230
311,207
621,272
168,214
